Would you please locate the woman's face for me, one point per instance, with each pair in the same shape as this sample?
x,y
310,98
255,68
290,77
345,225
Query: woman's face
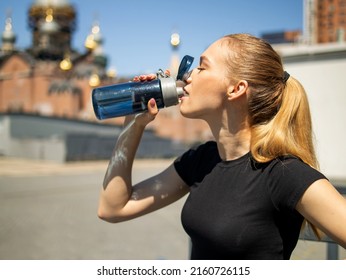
x,y
207,86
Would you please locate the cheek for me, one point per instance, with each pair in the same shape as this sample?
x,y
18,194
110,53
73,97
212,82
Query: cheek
x,y
207,100
210,83
207,94
214,92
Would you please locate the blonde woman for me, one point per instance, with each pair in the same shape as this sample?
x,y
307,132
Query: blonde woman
x,y
250,190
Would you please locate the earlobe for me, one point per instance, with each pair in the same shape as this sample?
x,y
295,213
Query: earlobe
x,y
238,90
230,95
230,92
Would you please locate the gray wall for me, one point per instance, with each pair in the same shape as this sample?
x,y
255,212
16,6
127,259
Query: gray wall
x,y
36,137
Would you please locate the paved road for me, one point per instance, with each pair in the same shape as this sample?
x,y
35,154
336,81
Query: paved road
x,y
48,211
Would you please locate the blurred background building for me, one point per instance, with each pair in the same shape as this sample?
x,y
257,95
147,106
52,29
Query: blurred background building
x,y
50,78
325,21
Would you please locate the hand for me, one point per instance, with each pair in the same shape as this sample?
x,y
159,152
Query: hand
x,y
149,77
144,78
147,117
144,118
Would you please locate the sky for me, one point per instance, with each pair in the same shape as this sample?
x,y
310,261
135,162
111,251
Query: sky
x,y
137,33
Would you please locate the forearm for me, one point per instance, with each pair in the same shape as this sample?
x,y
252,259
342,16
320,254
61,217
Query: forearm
x,y
117,184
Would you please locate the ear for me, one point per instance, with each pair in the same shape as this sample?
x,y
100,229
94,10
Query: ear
x,y
237,90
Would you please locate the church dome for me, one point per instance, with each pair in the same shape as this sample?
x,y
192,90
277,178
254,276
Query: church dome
x,y
53,3
49,27
94,39
8,34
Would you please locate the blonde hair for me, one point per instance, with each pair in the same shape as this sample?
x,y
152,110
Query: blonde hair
x,y
279,112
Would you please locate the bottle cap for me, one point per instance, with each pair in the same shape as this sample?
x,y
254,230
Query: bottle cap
x,y
170,92
184,66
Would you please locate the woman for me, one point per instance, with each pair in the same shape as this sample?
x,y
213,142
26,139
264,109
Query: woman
x,y
251,189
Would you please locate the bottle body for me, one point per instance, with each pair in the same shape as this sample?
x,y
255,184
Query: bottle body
x,y
132,97
125,99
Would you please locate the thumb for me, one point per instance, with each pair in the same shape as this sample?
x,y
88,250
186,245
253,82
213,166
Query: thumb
x,y
152,107
146,117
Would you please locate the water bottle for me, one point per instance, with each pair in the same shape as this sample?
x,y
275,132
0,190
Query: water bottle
x,y
132,97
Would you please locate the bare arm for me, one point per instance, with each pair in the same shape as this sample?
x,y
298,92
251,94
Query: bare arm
x,y
325,207
119,199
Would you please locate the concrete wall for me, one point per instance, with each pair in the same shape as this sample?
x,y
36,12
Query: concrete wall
x,y
35,137
45,138
42,149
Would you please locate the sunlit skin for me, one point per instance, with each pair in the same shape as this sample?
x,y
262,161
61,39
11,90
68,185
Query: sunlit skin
x,y
207,86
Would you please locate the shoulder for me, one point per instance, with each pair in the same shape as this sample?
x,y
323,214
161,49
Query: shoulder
x,y
198,161
287,166
200,151
289,177
210,146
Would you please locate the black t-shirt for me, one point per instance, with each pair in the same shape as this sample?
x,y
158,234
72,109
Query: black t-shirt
x,y
242,209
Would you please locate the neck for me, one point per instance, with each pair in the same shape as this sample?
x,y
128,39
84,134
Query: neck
x,y
233,146
232,136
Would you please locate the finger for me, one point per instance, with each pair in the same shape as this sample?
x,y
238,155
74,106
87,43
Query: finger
x,y
148,77
152,107
151,77
146,117
142,78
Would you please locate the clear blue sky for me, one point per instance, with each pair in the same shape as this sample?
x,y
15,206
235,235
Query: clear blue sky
x,y
137,33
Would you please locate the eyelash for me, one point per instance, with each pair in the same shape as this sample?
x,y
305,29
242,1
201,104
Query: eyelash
x,y
188,74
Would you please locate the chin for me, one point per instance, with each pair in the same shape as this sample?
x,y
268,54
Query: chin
x,y
190,114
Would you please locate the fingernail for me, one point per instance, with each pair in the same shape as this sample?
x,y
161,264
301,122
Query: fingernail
x,y
152,103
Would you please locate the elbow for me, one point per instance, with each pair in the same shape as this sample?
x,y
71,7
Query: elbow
x,y
103,215
109,216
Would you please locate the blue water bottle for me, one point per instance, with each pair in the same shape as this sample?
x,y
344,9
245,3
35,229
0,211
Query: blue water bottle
x,y
132,97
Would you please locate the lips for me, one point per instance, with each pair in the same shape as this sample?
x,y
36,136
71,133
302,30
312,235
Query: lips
x,y
184,95
185,92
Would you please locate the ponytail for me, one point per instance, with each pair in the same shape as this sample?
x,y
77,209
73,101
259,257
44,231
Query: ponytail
x,y
278,107
289,131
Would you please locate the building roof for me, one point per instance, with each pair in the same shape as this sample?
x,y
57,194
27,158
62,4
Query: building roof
x,y
301,52
4,56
